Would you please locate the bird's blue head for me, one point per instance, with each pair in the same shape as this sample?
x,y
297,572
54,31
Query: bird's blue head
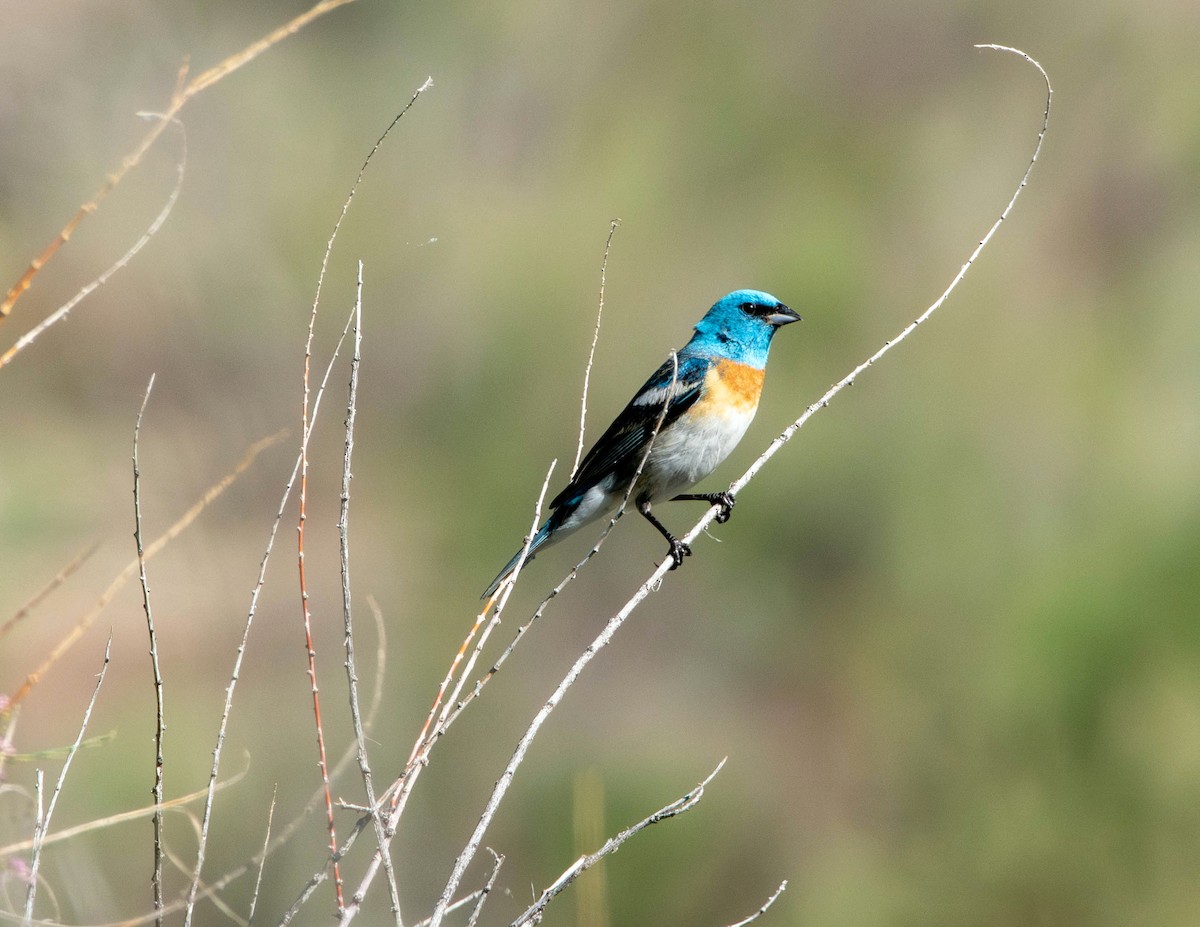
x,y
740,327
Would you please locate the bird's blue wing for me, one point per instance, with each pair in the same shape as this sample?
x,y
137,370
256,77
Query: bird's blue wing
x,y
618,452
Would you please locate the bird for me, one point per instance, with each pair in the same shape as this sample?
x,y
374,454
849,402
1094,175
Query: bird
x,y
690,415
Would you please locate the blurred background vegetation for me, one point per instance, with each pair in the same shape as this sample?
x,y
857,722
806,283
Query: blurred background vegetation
x,y
949,642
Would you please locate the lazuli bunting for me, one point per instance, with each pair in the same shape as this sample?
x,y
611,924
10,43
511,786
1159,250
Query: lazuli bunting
x,y
710,391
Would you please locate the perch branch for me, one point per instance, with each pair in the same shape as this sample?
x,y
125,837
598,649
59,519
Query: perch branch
x,y
660,572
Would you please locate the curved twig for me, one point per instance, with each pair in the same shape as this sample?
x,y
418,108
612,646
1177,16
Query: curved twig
x,y
614,623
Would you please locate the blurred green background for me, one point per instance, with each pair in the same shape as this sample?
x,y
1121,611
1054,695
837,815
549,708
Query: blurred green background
x,y
949,641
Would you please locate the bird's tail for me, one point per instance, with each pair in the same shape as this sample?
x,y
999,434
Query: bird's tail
x,y
539,540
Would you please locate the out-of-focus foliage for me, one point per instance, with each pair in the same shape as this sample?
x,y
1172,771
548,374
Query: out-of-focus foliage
x,y
949,641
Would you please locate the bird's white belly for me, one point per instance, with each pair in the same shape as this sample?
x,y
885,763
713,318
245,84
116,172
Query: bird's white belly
x,y
692,448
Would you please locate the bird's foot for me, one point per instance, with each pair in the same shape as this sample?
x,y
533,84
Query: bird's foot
x,y
726,501
679,550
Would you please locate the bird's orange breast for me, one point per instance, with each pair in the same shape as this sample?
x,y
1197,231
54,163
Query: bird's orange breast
x,y
732,388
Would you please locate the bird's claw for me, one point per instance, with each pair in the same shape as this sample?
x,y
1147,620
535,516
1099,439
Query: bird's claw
x,y
679,550
725,500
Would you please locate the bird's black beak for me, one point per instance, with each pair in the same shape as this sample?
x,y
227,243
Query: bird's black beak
x,y
782,315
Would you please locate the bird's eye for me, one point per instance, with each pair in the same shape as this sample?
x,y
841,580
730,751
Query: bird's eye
x,y
748,307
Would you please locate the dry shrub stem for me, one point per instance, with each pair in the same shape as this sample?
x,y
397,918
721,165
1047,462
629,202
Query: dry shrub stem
x,y
763,910
156,546
227,708
506,777
309,645
587,370
183,93
333,843
65,309
262,858
156,878
360,737
70,833
497,862
534,913
42,824
59,578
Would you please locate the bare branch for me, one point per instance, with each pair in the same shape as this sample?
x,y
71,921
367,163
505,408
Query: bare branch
x,y
343,762
64,310
759,913
360,737
497,862
59,578
43,821
227,708
533,914
155,547
354,189
112,820
506,777
309,645
333,844
262,860
587,370
403,786
159,716
737,485
182,95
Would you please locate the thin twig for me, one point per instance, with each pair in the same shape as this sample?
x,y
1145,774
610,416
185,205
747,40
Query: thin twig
x,y
227,708
64,310
450,716
159,715
181,524
348,755
333,842
495,620
533,914
351,751
360,736
262,862
506,777
849,379
462,902
59,578
309,645
587,370
497,862
113,820
39,828
43,821
354,189
763,910
403,786
181,96
657,575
